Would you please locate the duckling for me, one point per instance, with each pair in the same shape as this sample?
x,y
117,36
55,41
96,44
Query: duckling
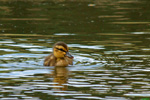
x,y
60,56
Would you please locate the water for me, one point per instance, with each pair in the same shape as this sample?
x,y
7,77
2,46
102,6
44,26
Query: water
x,y
109,41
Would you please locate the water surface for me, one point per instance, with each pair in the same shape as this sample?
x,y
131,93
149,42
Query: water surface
x,y
109,41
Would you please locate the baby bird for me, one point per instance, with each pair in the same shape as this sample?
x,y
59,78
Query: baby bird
x,y
60,56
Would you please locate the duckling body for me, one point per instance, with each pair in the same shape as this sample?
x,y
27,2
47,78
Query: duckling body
x,y
60,56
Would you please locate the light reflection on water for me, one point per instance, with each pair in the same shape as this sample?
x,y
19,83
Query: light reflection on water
x,y
89,73
110,45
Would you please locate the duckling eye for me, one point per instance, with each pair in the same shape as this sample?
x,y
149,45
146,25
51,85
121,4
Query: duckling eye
x,y
61,49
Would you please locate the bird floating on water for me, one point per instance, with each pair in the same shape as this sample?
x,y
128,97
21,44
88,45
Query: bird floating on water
x,y
60,56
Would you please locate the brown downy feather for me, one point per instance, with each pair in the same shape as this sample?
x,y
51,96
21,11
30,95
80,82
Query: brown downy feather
x,y
50,60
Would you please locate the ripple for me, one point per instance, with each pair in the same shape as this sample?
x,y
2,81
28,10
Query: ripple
x,y
13,95
91,85
8,50
6,41
117,52
85,60
19,55
88,97
88,46
64,34
15,98
25,73
23,45
146,49
123,87
142,56
112,78
41,50
138,95
134,60
140,32
64,94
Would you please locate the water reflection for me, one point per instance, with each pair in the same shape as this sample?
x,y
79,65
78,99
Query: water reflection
x,y
60,75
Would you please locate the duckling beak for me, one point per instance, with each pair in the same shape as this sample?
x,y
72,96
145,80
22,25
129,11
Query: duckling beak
x,y
69,55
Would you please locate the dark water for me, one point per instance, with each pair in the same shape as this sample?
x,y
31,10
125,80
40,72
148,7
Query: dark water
x,y
110,40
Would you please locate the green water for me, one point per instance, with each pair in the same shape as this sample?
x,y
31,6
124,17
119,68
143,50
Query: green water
x,y
110,41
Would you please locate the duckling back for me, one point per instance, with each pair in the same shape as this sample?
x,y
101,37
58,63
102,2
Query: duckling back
x,y
50,60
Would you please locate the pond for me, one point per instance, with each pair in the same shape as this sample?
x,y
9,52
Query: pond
x,y
109,39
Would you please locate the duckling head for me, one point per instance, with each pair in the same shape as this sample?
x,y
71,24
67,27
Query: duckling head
x,y
61,50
